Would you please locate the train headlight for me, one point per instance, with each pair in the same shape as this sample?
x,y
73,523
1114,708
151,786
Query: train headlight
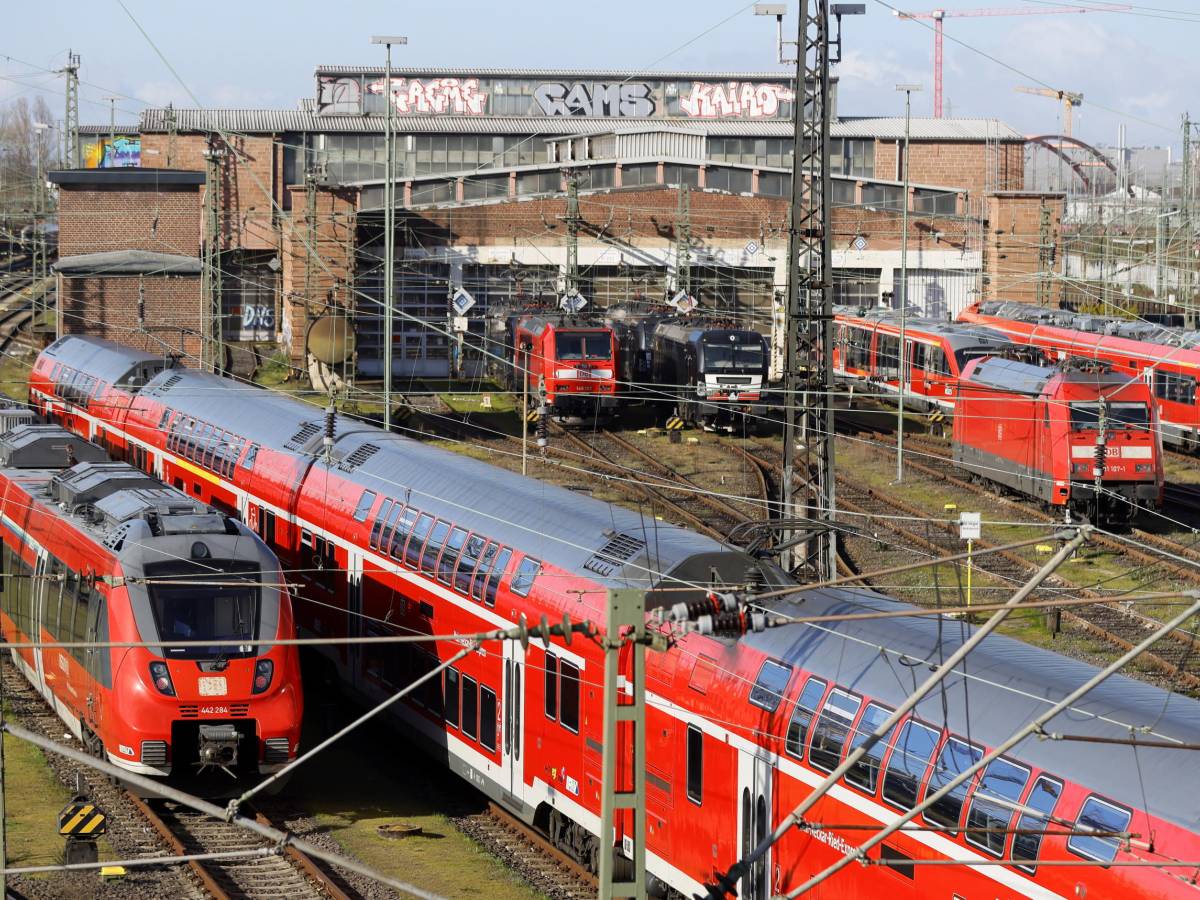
x,y
264,671
161,676
1144,468
1081,468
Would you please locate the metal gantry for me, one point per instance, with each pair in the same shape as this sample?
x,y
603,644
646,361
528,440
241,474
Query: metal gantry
x,y
808,360
210,348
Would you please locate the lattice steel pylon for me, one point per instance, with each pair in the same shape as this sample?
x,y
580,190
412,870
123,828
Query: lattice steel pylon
x,y
71,148
211,346
808,359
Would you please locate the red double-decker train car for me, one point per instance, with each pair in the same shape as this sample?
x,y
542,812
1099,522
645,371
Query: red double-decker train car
x,y
95,551
1167,359
573,359
400,537
1076,436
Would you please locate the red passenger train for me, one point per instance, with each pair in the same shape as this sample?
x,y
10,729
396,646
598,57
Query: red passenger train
x,y
1054,433
1167,359
99,551
575,360
401,537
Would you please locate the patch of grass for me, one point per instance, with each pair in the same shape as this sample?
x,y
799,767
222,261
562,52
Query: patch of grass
x,y
14,376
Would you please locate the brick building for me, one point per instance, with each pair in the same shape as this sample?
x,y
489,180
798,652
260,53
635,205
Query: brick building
x,y
129,266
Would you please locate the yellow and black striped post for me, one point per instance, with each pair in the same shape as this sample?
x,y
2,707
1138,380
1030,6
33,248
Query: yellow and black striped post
x,y
674,423
82,819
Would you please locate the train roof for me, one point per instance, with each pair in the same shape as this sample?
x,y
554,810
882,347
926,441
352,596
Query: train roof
x,y
111,362
958,336
693,332
1103,326
1002,684
616,545
1024,378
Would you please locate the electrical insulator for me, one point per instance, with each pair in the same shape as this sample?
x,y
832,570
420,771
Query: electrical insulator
x,y
330,428
543,428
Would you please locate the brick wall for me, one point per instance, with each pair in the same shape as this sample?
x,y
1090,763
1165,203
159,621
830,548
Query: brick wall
x,y
1020,241
159,219
328,277
109,308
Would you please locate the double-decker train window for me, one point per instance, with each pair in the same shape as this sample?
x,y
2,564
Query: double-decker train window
x,y
251,455
832,728
467,562
394,530
363,509
450,696
454,544
551,685
992,806
907,764
568,696
1173,387
433,547
865,772
493,583
377,528
1042,799
485,566
522,580
404,527
1098,814
770,684
470,707
487,718
802,714
956,757
695,764
412,553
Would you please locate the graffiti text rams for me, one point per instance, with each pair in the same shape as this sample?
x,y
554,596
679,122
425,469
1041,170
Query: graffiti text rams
x,y
736,98
591,99
436,95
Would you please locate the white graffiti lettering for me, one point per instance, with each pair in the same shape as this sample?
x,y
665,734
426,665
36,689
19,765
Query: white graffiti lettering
x,y
594,99
741,99
437,95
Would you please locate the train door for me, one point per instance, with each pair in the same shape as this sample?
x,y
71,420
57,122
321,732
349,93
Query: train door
x,y
354,613
95,658
514,716
754,821
45,592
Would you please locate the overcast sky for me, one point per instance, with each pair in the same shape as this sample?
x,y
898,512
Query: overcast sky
x,y
1138,67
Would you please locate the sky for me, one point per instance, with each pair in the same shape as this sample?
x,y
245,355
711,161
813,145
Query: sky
x,y
1137,67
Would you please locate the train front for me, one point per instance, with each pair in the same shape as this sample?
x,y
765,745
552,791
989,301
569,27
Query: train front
x,y
731,375
582,375
206,714
1111,428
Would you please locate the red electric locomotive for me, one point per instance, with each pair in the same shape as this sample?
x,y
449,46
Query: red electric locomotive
x,y
401,537
99,551
1167,359
574,360
1077,436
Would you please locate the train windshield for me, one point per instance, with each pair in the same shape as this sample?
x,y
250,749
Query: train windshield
x,y
583,345
1086,416
218,601
733,357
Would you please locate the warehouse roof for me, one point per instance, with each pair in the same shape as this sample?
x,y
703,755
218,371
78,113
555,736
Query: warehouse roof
x,y
604,74
126,176
128,262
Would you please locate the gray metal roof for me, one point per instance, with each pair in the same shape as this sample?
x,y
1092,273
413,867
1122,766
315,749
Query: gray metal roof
x,y
128,262
891,128
607,74
127,175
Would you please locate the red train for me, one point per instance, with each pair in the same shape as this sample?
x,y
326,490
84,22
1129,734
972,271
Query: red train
x,y
99,551
1048,432
1166,358
574,359
401,537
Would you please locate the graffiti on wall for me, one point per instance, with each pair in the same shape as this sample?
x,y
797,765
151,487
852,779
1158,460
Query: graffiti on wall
x,y
458,96
103,153
594,99
741,99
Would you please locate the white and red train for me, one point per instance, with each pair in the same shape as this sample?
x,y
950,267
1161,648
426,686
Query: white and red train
x,y
94,551
399,537
1167,359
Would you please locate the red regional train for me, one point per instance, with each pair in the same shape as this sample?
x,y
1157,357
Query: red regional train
x,y
1166,358
867,349
1051,432
100,551
574,359
401,537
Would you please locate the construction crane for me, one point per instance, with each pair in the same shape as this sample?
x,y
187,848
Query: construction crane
x,y
1068,99
939,15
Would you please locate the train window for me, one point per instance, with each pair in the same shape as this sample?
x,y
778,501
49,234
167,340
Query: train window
x,y
551,686
493,583
1042,799
935,361
859,354
829,734
802,714
695,764
485,566
103,656
470,707
568,696
162,422
702,673
865,772
769,686
574,345
1117,415
887,356
251,455
917,360
365,502
394,531
907,764
468,561
403,528
450,696
900,863
412,552
377,528
1173,387
956,757
522,580
433,546
1099,815
487,718
458,537
266,520
992,806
